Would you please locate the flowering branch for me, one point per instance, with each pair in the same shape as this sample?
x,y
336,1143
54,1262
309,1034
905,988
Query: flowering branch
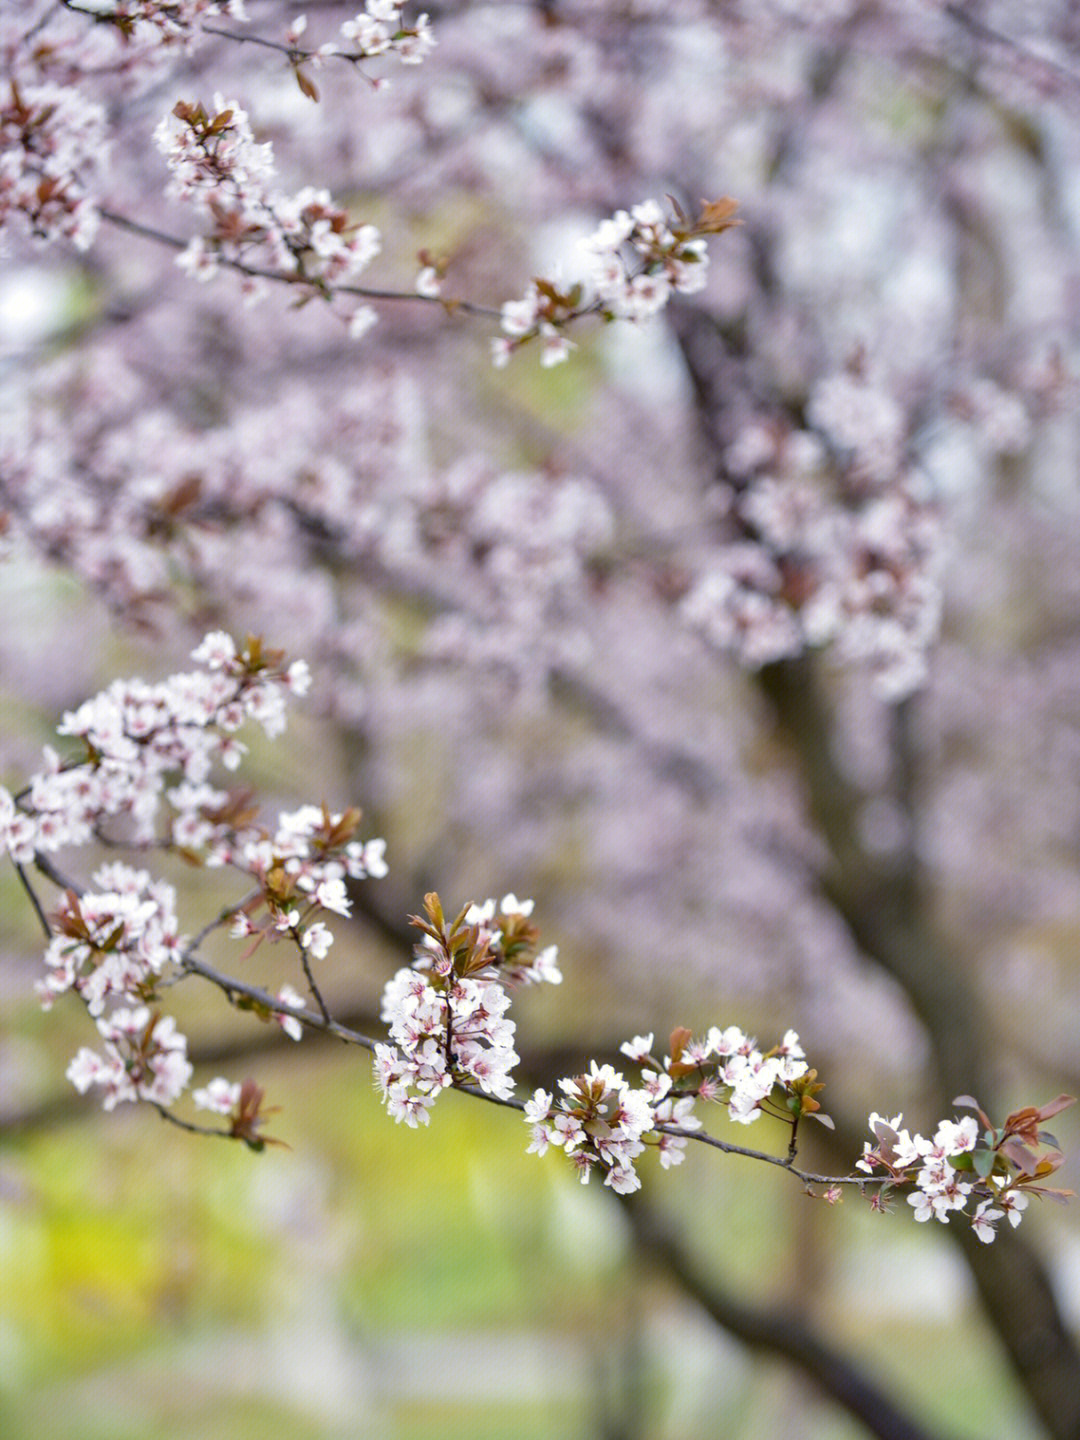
x,y
635,261
147,756
257,272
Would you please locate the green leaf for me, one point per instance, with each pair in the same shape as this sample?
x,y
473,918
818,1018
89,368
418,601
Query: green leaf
x,y
983,1162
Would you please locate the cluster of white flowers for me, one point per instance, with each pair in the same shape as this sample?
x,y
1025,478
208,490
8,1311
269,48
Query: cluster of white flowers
x,y
380,29
52,149
114,941
145,1059
517,964
447,1012
600,1120
301,870
138,736
114,944
218,167
862,421
635,262
942,1184
749,1075
172,19
812,561
526,545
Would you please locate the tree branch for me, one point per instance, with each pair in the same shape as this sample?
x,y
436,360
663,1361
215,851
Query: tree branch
x,y
887,908
281,277
772,1331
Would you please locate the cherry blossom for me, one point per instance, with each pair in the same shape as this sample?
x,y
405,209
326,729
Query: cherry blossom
x,y
963,1164
447,1013
217,167
145,1058
53,144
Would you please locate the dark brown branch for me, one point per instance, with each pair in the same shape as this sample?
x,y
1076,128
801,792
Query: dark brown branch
x,y
35,903
887,910
258,272
775,1332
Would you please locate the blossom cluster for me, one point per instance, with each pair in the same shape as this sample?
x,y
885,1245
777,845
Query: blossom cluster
x,y
52,147
527,547
115,944
601,1122
172,20
661,260
380,29
145,1058
218,167
447,1012
967,1161
301,871
832,539
377,30
138,736
635,262
55,141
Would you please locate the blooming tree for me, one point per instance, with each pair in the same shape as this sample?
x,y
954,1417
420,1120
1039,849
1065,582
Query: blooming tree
x,y
431,347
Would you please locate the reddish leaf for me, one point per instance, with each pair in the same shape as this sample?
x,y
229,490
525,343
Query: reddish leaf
x,y
307,85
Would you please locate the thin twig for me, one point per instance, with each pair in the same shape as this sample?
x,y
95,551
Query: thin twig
x,y
305,962
295,55
257,272
311,1018
51,872
34,901
783,1161
189,1125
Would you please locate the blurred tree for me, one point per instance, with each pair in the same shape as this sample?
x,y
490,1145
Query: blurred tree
x,y
742,629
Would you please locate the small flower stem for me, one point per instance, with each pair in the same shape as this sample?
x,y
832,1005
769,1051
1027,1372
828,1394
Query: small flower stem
x,y
31,894
189,1125
316,993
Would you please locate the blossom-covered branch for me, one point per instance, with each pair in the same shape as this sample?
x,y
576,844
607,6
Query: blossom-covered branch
x,y
635,261
144,779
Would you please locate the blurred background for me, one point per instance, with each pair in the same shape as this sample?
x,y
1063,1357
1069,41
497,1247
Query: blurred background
x,y
746,641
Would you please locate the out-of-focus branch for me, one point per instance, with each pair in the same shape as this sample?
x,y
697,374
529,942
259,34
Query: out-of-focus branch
x,y
882,902
887,910
775,1332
